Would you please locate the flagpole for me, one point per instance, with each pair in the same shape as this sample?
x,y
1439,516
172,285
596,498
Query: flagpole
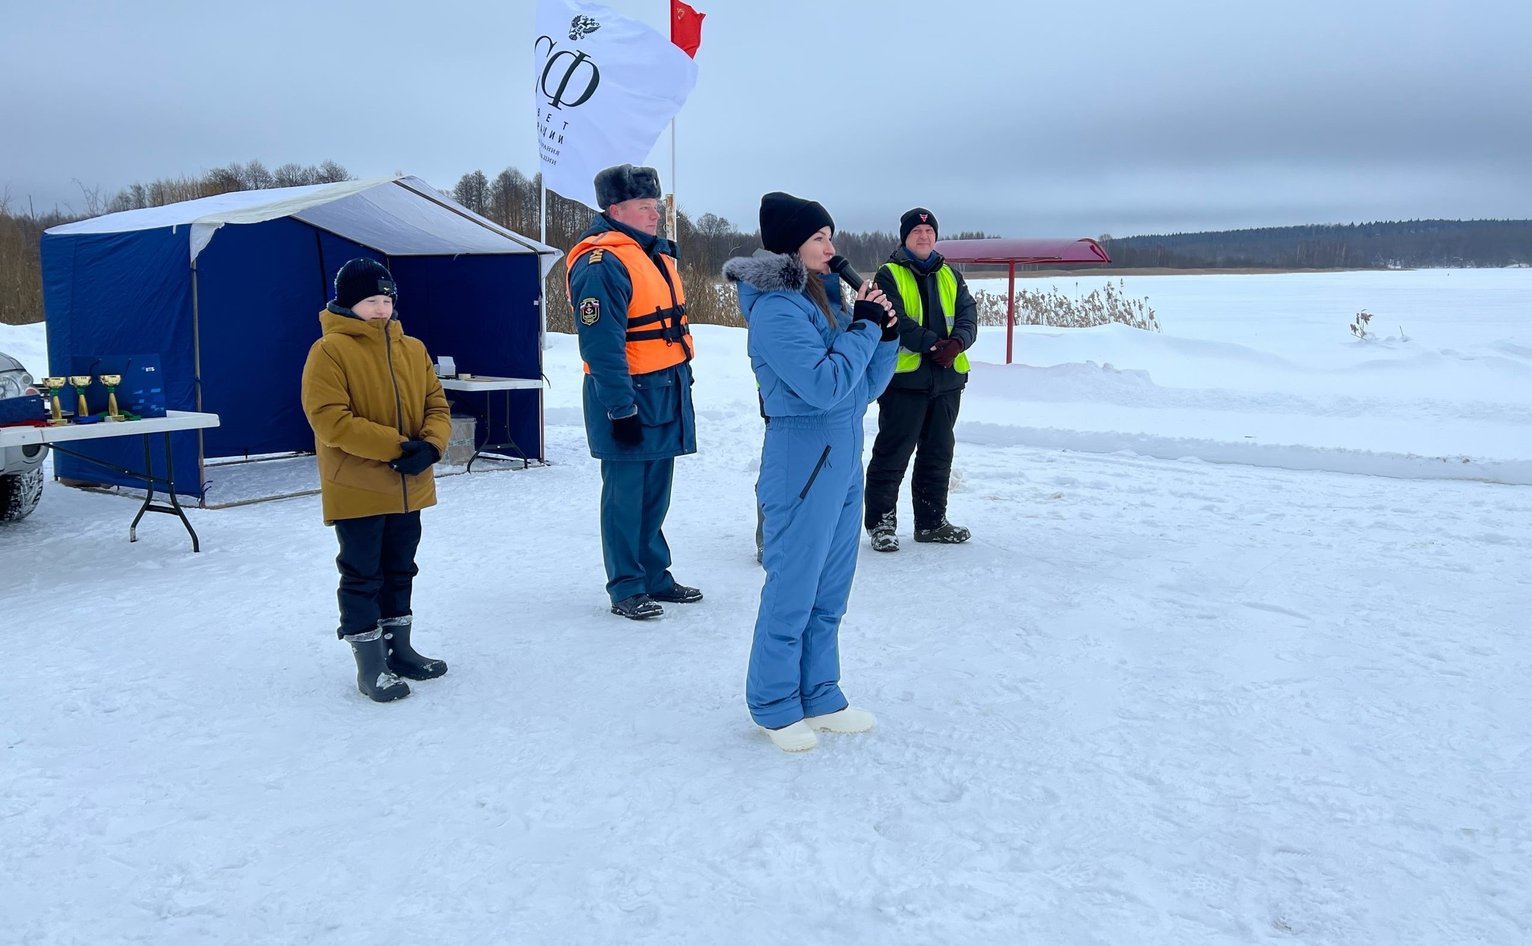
x,y
542,237
673,234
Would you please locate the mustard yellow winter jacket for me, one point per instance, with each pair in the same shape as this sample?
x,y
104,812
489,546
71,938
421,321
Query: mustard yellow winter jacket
x,y
367,388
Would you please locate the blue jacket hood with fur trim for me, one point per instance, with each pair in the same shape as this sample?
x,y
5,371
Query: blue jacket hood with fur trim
x,y
803,364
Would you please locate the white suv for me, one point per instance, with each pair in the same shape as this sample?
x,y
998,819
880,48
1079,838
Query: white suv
x,y
21,468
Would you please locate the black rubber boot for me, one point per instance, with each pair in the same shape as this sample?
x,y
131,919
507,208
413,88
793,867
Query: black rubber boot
x,y
373,677
402,658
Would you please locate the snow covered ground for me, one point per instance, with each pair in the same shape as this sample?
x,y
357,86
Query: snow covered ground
x,y
1239,654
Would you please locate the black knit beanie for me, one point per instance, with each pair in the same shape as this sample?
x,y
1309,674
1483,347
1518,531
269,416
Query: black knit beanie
x,y
920,216
787,221
362,278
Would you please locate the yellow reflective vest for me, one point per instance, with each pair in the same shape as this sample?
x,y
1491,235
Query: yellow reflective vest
x,y
909,293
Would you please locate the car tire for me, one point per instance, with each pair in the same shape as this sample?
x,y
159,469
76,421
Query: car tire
x,y
19,494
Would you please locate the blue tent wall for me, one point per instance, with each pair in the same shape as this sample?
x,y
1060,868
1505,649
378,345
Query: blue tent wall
x,y
480,306
123,294
259,288
481,310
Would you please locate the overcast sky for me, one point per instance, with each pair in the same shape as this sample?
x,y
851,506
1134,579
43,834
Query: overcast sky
x,y
1013,117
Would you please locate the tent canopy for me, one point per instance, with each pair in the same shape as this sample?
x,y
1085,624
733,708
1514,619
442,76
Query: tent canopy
x,y
397,216
225,292
1023,251
1012,252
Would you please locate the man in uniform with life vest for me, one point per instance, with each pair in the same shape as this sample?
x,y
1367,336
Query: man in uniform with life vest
x,y
917,412
630,314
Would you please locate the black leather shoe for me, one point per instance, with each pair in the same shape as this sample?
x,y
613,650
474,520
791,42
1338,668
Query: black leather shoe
x,y
639,607
678,594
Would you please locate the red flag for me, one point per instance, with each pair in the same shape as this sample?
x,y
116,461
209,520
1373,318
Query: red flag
x,y
685,27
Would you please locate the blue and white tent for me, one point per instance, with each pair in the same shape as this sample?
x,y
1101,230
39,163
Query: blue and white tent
x,y
226,290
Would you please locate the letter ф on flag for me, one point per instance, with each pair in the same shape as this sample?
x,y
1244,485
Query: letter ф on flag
x,y
605,86
685,27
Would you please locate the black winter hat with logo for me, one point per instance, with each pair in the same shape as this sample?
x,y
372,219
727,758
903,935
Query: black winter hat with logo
x,y
787,221
363,278
920,216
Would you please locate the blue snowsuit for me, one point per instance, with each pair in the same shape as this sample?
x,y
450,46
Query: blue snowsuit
x,y
816,380
635,479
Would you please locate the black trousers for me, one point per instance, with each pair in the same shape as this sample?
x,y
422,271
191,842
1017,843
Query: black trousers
x,y
377,568
919,423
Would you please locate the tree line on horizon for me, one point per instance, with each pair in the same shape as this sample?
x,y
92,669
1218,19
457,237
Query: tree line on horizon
x,y
512,200
1390,244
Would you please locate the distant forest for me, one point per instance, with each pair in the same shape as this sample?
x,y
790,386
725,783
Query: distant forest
x,y
510,198
1405,244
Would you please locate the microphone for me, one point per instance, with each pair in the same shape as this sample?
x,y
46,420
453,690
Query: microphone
x,y
847,272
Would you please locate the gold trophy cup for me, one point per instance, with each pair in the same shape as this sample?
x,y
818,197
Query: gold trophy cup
x,y
111,381
53,384
81,382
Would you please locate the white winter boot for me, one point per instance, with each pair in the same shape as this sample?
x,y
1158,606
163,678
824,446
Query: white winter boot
x,y
849,719
797,737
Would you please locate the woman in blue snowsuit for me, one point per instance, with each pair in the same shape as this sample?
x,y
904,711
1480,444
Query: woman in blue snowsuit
x,y
818,367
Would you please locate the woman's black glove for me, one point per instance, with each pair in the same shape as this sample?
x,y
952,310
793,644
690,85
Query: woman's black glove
x,y
415,457
628,430
884,320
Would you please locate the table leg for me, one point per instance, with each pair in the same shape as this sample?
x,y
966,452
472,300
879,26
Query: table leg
x,y
489,419
148,491
511,441
489,426
170,482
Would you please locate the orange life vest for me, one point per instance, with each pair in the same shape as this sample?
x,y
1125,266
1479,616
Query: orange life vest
x,y
657,336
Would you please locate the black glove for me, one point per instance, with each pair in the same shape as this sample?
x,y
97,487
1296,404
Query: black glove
x,y
415,457
946,351
865,311
628,430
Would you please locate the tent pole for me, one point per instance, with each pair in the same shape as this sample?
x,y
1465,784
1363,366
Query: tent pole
x,y
324,276
1010,312
197,391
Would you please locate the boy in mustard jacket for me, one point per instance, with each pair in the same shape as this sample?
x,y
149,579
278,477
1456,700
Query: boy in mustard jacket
x,y
380,420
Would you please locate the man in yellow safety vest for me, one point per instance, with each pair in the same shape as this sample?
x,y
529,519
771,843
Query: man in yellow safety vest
x,y
938,321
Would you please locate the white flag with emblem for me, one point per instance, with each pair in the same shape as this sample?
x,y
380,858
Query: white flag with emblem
x,y
605,87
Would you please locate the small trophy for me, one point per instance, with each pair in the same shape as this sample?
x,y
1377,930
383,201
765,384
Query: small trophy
x,y
51,387
81,382
111,381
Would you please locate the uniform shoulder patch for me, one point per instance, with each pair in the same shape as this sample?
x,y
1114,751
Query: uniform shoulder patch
x,y
590,310
596,254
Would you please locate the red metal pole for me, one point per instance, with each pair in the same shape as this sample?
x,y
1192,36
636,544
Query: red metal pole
x,y
1010,312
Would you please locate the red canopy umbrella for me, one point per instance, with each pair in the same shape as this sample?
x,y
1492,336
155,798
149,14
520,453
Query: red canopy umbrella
x,y
1012,251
